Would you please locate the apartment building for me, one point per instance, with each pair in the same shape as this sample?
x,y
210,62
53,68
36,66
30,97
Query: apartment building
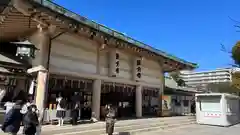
x,y
212,79
205,77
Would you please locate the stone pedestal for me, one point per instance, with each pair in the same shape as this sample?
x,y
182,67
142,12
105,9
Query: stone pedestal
x,y
96,98
139,101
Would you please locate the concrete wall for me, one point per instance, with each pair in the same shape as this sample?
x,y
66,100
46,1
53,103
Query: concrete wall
x,y
77,55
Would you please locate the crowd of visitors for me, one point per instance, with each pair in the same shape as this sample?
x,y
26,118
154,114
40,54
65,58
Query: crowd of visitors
x,y
22,111
17,115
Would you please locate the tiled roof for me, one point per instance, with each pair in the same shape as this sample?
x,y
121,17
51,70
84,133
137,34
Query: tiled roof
x,y
4,70
67,13
3,4
12,60
4,58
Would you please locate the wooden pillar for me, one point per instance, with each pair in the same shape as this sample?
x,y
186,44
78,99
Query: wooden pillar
x,y
161,91
139,101
96,98
41,39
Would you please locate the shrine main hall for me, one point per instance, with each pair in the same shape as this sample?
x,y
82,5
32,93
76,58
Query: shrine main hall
x,y
68,53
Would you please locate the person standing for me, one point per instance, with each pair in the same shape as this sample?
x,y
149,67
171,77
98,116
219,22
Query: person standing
x,y
75,114
30,121
13,119
25,106
193,108
8,105
110,120
61,109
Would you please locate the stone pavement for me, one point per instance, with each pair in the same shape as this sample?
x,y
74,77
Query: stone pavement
x,y
195,129
132,126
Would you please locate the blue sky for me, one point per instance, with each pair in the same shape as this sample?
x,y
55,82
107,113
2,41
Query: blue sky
x,y
190,29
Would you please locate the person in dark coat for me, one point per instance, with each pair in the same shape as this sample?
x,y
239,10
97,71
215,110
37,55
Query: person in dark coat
x,y
75,114
13,119
30,121
193,108
110,120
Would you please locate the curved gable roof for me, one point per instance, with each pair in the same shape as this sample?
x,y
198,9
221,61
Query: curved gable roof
x,y
80,19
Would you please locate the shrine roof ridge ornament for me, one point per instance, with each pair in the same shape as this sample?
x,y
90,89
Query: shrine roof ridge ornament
x,y
61,10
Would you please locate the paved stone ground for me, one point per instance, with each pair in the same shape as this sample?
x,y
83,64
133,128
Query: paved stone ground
x,y
198,130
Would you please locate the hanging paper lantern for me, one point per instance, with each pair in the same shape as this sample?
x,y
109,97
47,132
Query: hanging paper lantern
x,y
85,86
157,93
102,88
148,92
78,84
75,84
68,83
113,87
123,90
117,88
60,83
108,88
64,81
131,89
128,90
82,85
89,85
145,92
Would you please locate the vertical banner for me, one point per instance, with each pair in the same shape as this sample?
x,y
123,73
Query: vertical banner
x,y
166,105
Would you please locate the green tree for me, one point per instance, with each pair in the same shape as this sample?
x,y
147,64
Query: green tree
x,y
176,77
236,54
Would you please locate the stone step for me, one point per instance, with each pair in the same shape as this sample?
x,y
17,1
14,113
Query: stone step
x,y
118,124
100,126
152,129
129,130
172,128
153,125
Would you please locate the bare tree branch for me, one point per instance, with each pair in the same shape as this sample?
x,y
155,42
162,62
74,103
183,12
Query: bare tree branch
x,y
223,48
233,20
236,26
234,65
